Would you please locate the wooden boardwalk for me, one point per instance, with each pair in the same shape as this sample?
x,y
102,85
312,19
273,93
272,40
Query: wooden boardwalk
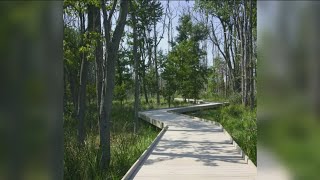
x,y
190,148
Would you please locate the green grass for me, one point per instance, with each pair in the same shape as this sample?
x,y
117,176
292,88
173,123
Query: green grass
x,y
294,138
126,147
234,98
240,122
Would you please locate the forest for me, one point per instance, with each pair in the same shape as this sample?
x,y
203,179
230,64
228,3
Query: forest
x,y
126,56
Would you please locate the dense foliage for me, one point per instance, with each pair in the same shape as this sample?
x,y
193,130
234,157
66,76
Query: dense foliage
x,y
115,66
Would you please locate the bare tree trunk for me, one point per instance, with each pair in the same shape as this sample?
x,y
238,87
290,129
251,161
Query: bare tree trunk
x,y
156,62
244,57
169,21
247,60
251,61
74,92
149,64
226,83
65,95
82,89
236,64
143,65
238,49
144,83
136,69
108,86
99,56
225,51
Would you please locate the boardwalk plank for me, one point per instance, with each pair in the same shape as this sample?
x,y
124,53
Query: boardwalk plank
x,y
192,149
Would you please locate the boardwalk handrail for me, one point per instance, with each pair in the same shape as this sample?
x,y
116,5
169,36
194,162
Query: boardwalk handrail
x,y
131,172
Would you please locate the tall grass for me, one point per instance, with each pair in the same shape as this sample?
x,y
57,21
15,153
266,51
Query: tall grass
x,y
126,147
241,124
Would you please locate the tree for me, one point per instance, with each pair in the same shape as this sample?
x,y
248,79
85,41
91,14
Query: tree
x,y
83,81
71,45
184,61
112,46
136,65
235,43
96,15
123,79
171,83
157,13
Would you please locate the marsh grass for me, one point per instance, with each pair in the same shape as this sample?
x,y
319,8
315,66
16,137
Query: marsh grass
x,y
126,147
240,122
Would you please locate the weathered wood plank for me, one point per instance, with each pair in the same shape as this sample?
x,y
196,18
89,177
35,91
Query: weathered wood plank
x,y
192,148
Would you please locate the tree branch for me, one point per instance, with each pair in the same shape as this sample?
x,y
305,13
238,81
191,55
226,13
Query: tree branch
x,y
112,10
120,24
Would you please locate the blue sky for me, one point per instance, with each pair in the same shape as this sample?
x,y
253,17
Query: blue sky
x,y
178,8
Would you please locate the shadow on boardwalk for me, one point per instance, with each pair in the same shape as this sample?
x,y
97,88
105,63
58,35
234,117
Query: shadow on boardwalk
x,y
191,149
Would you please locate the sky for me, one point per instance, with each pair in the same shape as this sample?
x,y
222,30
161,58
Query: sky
x,y
178,8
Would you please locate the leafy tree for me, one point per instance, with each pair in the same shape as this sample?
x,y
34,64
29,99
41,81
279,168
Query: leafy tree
x,y
171,82
238,22
184,61
147,14
71,45
112,47
123,81
188,70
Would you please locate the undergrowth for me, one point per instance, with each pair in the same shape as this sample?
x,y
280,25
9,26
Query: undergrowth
x,y
126,147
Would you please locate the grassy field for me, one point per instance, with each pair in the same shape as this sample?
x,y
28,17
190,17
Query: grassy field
x,y
126,147
241,124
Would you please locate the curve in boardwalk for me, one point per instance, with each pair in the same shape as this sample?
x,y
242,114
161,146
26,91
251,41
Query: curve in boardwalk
x,y
190,148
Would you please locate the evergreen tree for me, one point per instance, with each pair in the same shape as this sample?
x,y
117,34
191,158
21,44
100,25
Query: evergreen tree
x,y
183,61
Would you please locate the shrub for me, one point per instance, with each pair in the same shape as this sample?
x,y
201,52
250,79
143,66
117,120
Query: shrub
x,y
235,98
233,110
126,147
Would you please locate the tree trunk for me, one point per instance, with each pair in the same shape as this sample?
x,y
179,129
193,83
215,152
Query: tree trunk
x,y
225,51
169,21
99,56
244,57
108,86
226,83
136,69
82,89
251,61
247,60
74,92
65,95
149,48
156,62
142,79
237,62
144,83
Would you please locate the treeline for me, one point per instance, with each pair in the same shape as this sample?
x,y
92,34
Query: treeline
x,y
112,52
104,61
236,72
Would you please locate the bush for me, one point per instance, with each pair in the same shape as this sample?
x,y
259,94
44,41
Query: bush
x,y
126,147
233,110
235,98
